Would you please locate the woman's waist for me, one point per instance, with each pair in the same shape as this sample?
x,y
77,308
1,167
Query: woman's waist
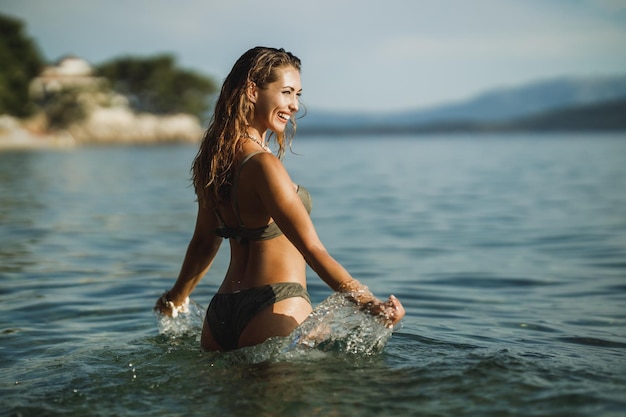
x,y
233,284
257,265
257,273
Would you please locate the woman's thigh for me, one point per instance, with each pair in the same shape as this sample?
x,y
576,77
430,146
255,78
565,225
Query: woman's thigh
x,y
207,342
280,319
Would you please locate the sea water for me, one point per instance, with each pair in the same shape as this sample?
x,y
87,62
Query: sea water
x,y
507,251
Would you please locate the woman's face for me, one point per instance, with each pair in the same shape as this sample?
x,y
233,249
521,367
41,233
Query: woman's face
x,y
277,102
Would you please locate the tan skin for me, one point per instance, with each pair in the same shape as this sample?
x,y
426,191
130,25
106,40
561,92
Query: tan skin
x,y
266,193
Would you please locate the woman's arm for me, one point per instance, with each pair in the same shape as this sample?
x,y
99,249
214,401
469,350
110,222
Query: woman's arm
x,y
277,193
198,259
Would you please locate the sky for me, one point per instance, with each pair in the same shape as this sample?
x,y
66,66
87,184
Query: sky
x,y
357,55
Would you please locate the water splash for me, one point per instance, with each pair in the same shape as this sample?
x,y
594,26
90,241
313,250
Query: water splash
x,y
189,321
336,326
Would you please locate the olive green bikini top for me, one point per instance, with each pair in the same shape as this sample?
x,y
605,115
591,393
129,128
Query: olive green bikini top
x,y
243,234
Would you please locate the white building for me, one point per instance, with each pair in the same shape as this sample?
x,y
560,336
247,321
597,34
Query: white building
x,y
70,71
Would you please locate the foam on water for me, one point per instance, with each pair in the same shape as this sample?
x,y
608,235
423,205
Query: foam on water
x,y
336,326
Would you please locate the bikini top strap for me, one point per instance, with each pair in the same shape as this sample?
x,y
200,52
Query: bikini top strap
x,y
236,185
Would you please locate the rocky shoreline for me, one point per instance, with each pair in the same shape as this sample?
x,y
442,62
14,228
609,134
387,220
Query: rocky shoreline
x,y
104,126
16,135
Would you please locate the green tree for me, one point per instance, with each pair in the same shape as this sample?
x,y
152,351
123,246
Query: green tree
x,y
20,61
63,107
156,85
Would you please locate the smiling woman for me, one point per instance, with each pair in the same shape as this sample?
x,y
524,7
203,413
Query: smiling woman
x,y
246,195
277,102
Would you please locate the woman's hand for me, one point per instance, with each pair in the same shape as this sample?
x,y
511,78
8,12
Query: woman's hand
x,y
166,306
390,311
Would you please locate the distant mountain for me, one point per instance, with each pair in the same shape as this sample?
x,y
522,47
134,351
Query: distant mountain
x,y
609,115
493,107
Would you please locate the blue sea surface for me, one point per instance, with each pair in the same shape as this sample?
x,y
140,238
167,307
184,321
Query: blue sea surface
x,y
507,251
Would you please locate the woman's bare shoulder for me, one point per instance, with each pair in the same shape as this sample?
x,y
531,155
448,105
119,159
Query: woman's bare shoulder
x,y
268,177
267,165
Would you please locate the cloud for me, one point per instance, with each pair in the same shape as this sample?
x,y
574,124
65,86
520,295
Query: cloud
x,y
609,5
531,46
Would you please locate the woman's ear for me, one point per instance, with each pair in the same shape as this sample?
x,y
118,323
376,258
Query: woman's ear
x,y
251,92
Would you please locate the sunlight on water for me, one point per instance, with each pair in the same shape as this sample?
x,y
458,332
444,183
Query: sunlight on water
x,y
335,326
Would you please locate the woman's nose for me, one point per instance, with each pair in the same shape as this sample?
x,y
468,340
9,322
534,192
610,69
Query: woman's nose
x,y
295,104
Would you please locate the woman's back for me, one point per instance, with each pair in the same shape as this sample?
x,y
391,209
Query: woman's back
x,y
260,252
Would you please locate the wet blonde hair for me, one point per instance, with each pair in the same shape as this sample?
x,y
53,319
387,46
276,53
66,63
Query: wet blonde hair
x,y
212,166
